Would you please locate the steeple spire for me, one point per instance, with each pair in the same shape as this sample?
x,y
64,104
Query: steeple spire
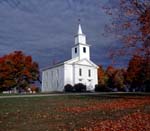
x,y
80,37
80,30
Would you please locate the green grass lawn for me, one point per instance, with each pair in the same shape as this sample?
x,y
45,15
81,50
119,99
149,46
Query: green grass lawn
x,y
67,113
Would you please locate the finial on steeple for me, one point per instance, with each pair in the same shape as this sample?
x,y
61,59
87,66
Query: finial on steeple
x,y
79,20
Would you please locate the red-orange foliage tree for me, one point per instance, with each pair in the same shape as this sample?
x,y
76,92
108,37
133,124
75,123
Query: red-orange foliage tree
x,y
138,73
131,24
119,79
116,77
111,79
134,71
101,75
17,70
102,80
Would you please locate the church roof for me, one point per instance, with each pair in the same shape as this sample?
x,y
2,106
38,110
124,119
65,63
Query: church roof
x,y
53,66
59,64
73,61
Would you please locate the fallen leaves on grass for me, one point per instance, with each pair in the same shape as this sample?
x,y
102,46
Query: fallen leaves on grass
x,y
120,104
133,122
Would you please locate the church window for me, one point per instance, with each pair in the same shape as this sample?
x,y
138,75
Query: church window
x,y
84,49
80,79
80,72
76,50
89,73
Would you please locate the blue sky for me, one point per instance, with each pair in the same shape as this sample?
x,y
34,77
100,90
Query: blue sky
x,y
45,29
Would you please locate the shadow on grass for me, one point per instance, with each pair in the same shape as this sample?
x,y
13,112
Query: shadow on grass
x,y
114,96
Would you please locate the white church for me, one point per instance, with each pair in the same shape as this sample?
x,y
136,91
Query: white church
x,y
79,69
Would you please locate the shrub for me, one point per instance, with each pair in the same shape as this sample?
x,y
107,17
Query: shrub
x,y
99,88
68,88
80,87
122,89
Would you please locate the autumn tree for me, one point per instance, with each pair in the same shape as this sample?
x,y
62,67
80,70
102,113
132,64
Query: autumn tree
x,y
110,71
102,80
17,71
116,78
138,75
110,79
131,25
119,79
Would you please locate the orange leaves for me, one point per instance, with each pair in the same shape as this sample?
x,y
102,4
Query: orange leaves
x,y
133,122
121,104
112,115
130,40
130,12
110,70
111,78
27,73
17,69
101,75
93,113
131,23
144,19
126,25
137,71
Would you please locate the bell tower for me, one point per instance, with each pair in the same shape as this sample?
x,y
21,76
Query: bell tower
x,y
81,48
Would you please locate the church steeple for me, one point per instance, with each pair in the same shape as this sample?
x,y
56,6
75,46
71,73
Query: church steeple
x,y
80,38
81,48
80,30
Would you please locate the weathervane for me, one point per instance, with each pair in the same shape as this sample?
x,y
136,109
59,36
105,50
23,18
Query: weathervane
x,y
79,20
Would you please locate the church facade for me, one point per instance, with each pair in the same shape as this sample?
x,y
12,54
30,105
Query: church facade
x,y
79,69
